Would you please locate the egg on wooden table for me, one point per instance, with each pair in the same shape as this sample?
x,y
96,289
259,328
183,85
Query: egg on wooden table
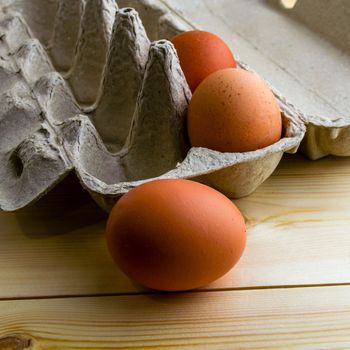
x,y
233,110
201,53
175,235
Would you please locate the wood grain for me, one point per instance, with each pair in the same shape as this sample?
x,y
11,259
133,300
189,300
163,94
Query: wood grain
x,y
303,318
298,233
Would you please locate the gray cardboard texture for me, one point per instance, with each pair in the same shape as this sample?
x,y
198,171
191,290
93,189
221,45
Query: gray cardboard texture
x,y
112,105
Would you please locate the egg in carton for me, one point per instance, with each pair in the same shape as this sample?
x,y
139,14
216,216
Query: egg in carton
x,y
96,95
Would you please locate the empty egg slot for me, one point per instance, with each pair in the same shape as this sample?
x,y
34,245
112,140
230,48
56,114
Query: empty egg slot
x,y
33,61
91,50
65,34
15,32
88,152
123,74
96,161
22,177
20,115
155,151
7,78
55,98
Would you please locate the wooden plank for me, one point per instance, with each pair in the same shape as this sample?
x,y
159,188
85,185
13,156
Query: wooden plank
x,y
298,233
57,247
307,318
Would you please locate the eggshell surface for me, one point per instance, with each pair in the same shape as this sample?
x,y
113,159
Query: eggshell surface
x,y
233,110
201,53
175,235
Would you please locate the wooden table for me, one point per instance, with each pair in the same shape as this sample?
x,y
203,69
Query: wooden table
x,y
60,290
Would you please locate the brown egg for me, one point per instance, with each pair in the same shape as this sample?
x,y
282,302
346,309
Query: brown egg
x,y
175,234
201,53
232,110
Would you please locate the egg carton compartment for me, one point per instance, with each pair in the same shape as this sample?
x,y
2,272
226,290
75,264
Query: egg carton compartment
x,y
96,95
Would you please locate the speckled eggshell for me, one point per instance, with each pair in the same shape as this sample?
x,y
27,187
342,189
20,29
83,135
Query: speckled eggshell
x,y
175,234
233,110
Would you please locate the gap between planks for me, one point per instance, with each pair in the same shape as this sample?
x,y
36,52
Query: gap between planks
x,y
155,293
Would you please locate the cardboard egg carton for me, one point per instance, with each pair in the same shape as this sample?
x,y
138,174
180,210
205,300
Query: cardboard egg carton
x,y
105,96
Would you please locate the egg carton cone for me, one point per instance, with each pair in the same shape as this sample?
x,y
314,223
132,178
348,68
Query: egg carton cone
x,y
91,88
